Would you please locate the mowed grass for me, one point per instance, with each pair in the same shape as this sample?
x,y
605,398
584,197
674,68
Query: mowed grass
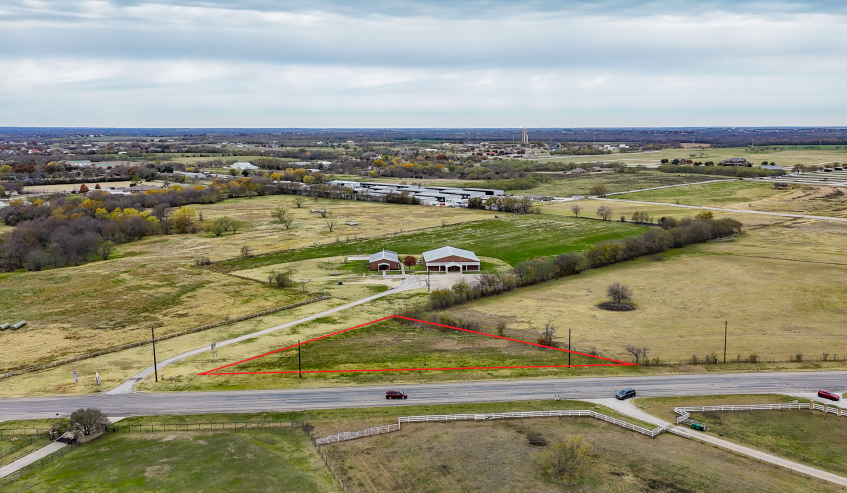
x,y
152,284
496,457
780,287
809,437
390,345
251,460
614,182
511,238
357,351
786,156
752,196
656,212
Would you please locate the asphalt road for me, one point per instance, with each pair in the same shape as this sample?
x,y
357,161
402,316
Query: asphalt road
x,y
141,404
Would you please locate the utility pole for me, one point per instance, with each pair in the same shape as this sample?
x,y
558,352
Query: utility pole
x,y
725,326
569,346
155,370
299,361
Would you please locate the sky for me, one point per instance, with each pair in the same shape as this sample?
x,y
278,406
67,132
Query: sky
x,y
418,63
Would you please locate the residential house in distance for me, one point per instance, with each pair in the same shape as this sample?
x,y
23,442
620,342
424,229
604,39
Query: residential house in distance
x,y
384,260
734,161
577,171
450,259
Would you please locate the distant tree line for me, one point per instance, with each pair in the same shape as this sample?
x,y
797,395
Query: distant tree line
x,y
735,171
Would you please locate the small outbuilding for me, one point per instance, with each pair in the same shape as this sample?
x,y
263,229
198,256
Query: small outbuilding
x,y
384,260
243,165
450,259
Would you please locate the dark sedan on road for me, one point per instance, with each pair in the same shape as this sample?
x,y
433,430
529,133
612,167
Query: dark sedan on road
x,y
395,394
625,394
825,394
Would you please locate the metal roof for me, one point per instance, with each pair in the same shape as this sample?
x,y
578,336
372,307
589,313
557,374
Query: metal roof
x,y
447,251
384,255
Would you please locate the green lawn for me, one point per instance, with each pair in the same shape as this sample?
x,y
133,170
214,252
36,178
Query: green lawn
x,y
245,461
510,238
614,182
392,345
710,194
810,437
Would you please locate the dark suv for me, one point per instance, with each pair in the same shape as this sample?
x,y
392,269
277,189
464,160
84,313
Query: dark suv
x,y
625,394
395,394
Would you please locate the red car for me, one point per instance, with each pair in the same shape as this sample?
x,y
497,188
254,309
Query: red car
x,y
395,394
825,394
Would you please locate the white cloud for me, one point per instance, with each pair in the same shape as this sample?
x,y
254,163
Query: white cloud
x,y
282,64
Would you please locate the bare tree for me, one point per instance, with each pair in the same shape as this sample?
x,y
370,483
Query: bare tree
x,y
576,209
634,351
605,212
548,333
298,201
618,292
330,225
287,221
246,251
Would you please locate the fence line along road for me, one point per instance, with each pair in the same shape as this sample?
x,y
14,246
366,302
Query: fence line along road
x,y
377,430
684,412
161,338
764,213
40,463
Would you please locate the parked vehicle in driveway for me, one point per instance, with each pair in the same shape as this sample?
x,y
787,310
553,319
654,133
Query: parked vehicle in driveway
x,y
625,394
825,394
395,394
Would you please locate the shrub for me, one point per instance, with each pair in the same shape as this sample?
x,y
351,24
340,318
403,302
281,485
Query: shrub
x,y
565,460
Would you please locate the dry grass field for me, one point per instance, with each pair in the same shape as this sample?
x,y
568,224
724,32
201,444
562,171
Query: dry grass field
x,y
614,182
68,187
780,287
782,157
497,457
754,196
626,209
151,283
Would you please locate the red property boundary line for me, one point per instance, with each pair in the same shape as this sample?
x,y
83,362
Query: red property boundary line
x,y
216,371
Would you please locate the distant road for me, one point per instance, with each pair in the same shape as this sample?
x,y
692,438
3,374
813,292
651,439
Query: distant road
x,y
142,404
779,214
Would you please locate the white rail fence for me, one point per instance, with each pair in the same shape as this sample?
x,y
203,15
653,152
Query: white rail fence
x,y
684,412
347,435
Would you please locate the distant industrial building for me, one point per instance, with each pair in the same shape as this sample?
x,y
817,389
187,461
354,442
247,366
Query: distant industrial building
x,y
432,195
734,161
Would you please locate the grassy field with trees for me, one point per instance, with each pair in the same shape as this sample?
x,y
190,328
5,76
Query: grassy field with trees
x,y
153,283
754,196
786,276
507,456
503,456
251,460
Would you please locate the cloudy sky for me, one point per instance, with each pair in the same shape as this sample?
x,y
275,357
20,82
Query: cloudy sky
x,y
422,63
